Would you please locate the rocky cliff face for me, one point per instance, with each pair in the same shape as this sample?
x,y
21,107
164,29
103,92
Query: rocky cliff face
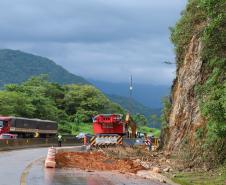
x,y
185,114
195,119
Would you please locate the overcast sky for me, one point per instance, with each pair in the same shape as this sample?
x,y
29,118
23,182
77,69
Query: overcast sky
x,y
99,39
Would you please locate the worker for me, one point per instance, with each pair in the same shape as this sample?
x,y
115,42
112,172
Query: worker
x,y
151,139
59,140
147,141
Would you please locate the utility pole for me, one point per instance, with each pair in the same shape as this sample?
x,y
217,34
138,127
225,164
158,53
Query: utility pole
x,y
130,93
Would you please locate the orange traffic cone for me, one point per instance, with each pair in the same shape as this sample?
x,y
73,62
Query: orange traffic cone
x,y
50,161
85,140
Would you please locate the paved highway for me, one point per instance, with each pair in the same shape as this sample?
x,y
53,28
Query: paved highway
x,y
30,162
13,163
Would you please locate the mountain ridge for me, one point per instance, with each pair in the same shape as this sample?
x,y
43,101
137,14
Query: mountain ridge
x,y
25,65
18,66
147,94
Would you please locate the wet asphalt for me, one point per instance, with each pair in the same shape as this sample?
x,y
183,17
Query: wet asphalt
x,y
13,164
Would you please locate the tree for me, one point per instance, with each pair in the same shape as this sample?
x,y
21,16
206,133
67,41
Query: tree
x,y
70,105
154,120
140,119
17,104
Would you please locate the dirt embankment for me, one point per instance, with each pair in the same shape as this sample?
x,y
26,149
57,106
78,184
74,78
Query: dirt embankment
x,y
96,161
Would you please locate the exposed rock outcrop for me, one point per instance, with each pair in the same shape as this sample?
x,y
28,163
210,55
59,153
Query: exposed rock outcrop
x,y
194,119
185,115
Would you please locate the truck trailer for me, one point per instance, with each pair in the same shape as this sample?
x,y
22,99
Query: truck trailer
x,y
27,128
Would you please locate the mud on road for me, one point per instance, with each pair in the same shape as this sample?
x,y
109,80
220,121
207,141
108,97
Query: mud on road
x,y
101,167
96,161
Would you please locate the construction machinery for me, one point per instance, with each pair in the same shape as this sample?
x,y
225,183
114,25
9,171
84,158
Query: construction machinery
x,y
109,129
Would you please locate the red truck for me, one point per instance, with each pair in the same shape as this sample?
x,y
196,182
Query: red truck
x,y
27,128
108,129
109,124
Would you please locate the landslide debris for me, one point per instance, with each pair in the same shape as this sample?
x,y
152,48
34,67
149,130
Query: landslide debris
x,y
96,160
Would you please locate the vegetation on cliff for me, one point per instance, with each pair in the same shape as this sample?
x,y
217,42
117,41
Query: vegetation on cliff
x,y
206,21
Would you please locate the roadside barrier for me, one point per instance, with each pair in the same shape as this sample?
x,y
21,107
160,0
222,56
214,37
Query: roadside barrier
x,y
50,161
132,141
119,140
93,141
105,140
85,140
153,143
10,144
147,142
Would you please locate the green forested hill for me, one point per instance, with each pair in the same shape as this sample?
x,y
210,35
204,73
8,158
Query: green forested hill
x,y
17,66
72,106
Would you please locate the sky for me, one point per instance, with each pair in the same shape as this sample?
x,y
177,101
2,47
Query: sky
x,y
105,40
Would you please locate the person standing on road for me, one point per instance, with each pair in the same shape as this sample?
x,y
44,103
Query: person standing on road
x,y
59,140
148,142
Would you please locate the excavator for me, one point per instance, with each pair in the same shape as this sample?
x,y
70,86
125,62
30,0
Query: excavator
x,y
132,125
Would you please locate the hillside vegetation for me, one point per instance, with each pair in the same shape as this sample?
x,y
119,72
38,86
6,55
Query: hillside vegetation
x,y
195,119
72,106
17,67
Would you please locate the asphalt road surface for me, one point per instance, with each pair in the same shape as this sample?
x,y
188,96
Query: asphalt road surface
x,y
14,163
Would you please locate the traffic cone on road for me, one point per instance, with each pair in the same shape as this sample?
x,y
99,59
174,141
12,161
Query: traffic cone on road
x,y
50,161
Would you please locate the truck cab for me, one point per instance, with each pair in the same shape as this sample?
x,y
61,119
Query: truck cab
x,y
109,124
1,125
8,136
4,125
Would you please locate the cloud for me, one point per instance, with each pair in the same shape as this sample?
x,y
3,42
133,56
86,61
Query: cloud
x,y
99,39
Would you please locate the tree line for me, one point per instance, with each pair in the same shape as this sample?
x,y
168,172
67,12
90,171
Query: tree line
x,y
70,105
67,104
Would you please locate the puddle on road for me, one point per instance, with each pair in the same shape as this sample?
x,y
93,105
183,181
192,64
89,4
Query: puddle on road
x,y
39,175
69,177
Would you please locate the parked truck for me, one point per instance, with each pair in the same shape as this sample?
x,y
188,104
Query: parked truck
x,y
27,128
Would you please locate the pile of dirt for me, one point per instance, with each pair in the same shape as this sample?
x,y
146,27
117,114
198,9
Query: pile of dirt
x,y
96,161
133,153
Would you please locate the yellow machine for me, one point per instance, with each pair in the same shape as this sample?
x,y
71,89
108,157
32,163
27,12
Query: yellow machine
x,y
132,125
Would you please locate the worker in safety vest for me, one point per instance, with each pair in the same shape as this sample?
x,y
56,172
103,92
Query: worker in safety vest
x,y
59,140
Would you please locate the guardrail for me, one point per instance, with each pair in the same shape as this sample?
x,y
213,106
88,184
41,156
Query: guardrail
x,y
10,144
139,141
